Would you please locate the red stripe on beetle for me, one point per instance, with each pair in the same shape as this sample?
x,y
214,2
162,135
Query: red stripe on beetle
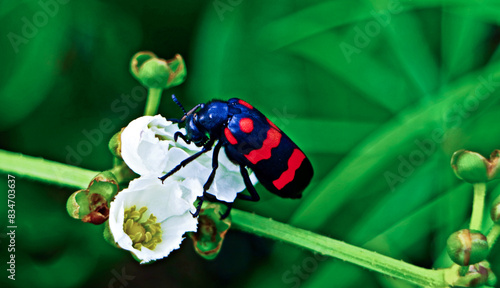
x,y
272,141
246,125
294,163
230,136
245,104
273,125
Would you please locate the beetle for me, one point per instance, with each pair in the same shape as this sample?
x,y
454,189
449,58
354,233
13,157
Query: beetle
x,y
250,140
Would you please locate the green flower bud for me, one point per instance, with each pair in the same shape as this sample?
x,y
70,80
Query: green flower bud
x,y
491,278
91,205
104,184
211,231
467,247
476,275
481,271
78,204
495,211
115,144
155,72
472,167
479,274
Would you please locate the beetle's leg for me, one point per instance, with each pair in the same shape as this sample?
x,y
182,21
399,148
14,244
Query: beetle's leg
x,y
186,161
212,198
182,136
210,180
229,206
215,165
198,207
254,196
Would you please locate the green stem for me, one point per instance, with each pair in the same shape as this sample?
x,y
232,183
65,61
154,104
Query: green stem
x,y
45,170
153,102
493,235
266,227
69,176
122,172
476,220
462,271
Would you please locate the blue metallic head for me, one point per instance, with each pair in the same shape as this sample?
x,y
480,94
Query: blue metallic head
x,y
195,132
206,123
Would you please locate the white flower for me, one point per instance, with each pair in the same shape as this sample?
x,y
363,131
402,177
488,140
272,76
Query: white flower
x,y
148,148
149,218
148,145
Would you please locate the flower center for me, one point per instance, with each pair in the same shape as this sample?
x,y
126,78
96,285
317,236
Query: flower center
x,y
143,232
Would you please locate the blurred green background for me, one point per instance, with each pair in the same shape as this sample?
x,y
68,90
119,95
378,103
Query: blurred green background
x,y
379,94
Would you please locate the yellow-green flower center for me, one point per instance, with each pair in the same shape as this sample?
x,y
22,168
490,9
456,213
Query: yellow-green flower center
x,y
143,232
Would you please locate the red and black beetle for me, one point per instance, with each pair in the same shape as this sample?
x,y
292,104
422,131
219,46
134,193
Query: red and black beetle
x,y
250,140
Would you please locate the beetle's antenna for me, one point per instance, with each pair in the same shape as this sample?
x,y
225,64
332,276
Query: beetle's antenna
x,y
190,112
184,110
179,104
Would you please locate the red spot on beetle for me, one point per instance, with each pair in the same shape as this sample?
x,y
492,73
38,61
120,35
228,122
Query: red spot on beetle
x,y
230,136
272,141
245,104
294,163
246,125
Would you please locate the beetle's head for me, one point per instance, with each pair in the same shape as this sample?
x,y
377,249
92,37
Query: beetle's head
x,y
195,131
204,122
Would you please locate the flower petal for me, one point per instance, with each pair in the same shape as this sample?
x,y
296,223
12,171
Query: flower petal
x,y
171,204
131,138
173,231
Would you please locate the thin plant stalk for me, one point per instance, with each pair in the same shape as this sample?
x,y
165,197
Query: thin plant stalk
x,y
476,220
70,176
153,101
